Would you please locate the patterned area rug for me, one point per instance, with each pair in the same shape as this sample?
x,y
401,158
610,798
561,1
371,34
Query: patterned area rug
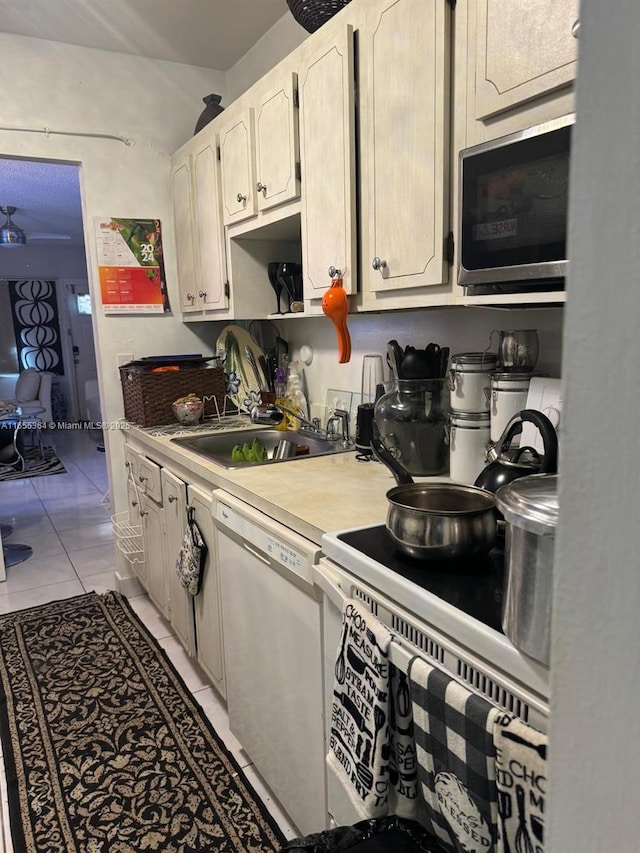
x,y
104,746
34,466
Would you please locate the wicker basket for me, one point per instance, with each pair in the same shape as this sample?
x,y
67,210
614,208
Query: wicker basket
x,y
312,14
148,396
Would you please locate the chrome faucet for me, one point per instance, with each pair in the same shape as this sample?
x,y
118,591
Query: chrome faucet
x,y
339,416
274,413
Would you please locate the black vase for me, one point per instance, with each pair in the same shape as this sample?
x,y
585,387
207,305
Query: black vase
x,y
211,110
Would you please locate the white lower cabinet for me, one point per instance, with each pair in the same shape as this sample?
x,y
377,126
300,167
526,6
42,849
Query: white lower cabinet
x,y
182,614
208,610
152,515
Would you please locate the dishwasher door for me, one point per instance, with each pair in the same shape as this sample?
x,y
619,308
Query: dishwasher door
x,y
273,655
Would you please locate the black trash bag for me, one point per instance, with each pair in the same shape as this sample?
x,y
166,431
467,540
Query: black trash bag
x,y
382,835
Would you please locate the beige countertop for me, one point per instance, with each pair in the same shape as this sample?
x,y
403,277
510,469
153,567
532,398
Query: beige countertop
x,y
312,496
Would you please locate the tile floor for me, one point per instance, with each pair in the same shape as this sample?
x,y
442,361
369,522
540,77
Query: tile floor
x,y
66,519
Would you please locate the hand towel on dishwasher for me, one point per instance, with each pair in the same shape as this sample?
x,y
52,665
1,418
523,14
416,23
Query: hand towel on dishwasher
x,y
456,760
359,735
521,779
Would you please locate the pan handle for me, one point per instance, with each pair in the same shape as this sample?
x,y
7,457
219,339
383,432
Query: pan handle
x,y
401,475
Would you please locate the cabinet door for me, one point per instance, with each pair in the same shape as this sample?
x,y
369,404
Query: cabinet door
x,y
139,563
523,50
175,518
327,151
406,158
183,224
276,126
153,538
211,259
237,161
207,603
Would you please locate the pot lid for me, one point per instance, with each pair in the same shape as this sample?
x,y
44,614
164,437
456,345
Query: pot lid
x,y
531,502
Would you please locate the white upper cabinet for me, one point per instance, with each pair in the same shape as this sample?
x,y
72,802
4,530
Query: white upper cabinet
x,y
237,154
523,50
276,127
181,190
405,97
327,150
212,266
202,270
259,150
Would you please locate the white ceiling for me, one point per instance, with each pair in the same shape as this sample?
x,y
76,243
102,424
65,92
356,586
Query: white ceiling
x,y
209,33
47,200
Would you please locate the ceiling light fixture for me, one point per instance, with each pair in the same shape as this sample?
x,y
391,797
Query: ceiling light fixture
x,y
10,234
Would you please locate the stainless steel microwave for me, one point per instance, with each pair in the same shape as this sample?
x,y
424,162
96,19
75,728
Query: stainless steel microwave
x,y
514,198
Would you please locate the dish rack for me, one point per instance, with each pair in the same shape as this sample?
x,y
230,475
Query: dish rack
x,y
128,537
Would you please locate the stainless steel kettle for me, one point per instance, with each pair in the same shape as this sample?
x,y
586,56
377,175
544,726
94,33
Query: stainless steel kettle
x,y
505,465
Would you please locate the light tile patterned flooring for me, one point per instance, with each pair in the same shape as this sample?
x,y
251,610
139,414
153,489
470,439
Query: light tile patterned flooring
x,y
66,519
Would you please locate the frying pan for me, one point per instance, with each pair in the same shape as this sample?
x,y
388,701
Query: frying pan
x,y
441,521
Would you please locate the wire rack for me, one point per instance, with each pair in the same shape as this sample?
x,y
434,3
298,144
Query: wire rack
x,y
128,537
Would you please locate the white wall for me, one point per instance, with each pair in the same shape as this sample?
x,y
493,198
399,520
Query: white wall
x,y
460,329
156,104
595,654
283,37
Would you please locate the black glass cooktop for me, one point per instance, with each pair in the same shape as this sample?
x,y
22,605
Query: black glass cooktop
x,y
473,585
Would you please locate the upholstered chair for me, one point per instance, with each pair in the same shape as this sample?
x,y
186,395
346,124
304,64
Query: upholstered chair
x,y
33,390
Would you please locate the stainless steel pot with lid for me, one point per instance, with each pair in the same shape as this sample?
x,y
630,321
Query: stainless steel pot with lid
x,y
530,509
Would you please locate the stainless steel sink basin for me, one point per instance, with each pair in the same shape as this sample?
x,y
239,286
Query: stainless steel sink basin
x,y
218,446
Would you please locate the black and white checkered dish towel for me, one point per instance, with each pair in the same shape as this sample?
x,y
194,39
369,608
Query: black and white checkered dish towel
x,y
456,759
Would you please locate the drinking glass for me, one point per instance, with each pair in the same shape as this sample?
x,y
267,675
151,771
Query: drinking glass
x,y
372,376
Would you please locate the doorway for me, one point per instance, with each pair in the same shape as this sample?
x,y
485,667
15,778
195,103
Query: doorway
x,y
48,209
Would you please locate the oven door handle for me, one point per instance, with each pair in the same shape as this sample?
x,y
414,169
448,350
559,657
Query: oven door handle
x,y
399,653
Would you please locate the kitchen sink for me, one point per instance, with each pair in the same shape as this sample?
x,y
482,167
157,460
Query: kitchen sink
x,y
218,446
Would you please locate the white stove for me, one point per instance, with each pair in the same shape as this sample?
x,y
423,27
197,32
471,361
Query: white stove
x,y
461,601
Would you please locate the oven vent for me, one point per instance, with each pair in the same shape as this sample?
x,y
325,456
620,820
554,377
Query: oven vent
x,y
417,638
493,691
369,602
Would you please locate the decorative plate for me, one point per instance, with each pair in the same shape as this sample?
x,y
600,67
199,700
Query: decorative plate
x,y
243,389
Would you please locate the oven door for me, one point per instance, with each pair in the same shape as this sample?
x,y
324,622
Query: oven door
x,y
412,636
514,195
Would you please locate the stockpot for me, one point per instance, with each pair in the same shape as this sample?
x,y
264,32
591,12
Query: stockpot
x,y
441,521
530,508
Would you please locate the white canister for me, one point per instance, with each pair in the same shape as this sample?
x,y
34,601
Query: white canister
x,y
468,440
470,381
508,397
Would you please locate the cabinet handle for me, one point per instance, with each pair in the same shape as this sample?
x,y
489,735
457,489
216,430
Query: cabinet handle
x,y
127,464
134,503
241,198
202,294
171,498
191,297
334,271
575,28
142,478
262,188
143,512
378,263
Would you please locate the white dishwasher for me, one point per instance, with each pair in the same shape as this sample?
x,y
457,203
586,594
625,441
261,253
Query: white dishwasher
x,y
272,627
